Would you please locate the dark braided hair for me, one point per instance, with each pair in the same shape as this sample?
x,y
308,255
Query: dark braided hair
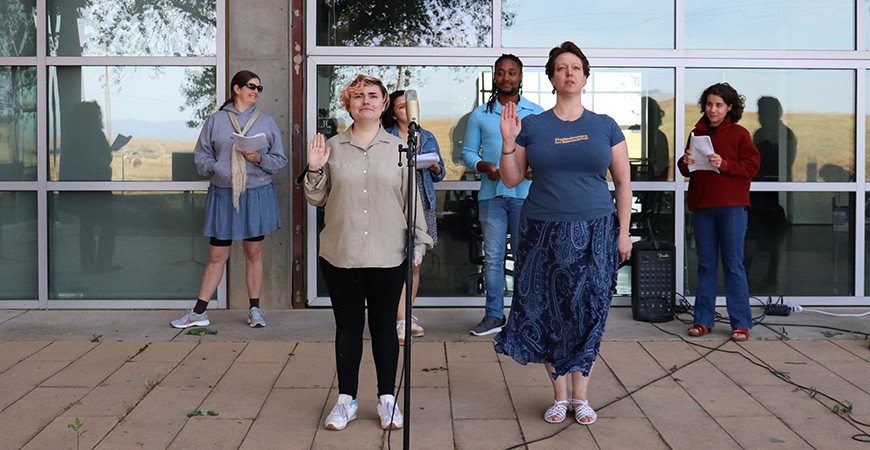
x,y
490,104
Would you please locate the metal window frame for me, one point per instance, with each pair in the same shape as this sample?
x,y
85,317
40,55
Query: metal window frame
x,y
43,187
680,59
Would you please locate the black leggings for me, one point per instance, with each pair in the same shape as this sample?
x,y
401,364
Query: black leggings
x,y
350,290
228,242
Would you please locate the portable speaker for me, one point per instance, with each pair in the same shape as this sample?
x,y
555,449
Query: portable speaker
x,y
653,279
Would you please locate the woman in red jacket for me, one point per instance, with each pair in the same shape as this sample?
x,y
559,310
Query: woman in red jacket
x,y
720,203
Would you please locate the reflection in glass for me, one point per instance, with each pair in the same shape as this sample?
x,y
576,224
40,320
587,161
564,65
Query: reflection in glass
x,y
17,28
404,23
804,245
447,97
113,245
19,269
641,100
126,123
612,24
803,134
17,123
131,27
750,24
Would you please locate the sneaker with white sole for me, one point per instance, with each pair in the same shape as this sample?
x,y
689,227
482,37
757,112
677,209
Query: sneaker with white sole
x,y
191,319
343,412
489,325
389,413
416,329
400,331
255,317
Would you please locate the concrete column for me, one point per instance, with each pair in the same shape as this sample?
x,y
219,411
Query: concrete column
x,y
259,40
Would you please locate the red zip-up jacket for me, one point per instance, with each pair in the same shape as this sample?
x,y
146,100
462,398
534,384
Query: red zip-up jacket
x,y
740,163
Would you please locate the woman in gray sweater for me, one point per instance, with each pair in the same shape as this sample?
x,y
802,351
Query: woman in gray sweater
x,y
241,201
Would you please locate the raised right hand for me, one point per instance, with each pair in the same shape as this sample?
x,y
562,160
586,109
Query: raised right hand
x,y
318,152
510,124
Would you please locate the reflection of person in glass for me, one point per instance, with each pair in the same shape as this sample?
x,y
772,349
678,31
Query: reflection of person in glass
x,y
395,121
766,215
658,158
241,201
363,258
498,204
572,238
87,156
720,202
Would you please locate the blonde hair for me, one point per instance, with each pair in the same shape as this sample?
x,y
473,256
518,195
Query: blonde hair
x,y
357,85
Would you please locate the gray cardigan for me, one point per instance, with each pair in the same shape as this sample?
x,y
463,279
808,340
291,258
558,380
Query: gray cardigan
x,y
215,147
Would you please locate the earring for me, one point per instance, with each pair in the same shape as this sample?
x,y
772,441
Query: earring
x,y
554,90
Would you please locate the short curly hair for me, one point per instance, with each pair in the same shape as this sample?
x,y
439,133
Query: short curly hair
x,y
566,47
357,85
729,96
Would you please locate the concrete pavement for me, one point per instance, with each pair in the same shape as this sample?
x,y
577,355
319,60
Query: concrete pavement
x,y
134,386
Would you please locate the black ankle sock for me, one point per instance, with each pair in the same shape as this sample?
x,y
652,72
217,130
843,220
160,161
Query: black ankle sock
x,y
200,307
255,303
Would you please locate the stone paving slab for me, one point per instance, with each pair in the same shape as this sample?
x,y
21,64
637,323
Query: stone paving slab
x,y
135,393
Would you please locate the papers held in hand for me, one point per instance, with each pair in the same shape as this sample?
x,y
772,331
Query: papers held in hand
x,y
120,141
426,160
250,143
702,148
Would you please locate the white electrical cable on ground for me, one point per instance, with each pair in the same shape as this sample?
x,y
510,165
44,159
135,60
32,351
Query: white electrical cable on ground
x,y
799,308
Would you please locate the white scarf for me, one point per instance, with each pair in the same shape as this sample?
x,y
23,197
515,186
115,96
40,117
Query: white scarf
x,y
240,170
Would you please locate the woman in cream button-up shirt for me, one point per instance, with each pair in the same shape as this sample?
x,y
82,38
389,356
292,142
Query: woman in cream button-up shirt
x,y
354,176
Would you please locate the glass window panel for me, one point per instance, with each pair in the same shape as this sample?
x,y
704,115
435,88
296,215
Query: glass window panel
x,y
132,28
18,28
454,268
126,245
94,110
612,24
404,23
797,243
813,140
771,25
17,123
641,100
447,97
19,270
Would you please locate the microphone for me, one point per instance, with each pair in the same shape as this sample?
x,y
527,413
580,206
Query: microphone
x,y
412,109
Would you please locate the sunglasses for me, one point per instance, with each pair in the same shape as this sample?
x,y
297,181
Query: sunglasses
x,y
253,86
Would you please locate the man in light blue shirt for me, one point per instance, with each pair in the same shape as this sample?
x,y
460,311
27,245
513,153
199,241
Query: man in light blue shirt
x,y
499,205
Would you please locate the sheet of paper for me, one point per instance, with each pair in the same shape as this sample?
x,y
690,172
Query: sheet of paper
x,y
250,143
426,160
120,141
702,148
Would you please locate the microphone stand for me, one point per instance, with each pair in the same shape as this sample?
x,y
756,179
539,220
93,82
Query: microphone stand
x,y
411,156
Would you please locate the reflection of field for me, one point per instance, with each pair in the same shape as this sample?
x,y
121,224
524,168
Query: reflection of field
x,y
142,159
821,139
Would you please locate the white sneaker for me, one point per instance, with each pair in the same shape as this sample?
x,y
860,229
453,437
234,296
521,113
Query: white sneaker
x,y
400,330
416,329
389,413
255,317
343,412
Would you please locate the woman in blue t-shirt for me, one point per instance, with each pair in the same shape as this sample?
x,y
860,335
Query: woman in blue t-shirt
x,y
572,239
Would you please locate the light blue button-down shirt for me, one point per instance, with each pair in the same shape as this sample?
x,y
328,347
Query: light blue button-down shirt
x,y
483,143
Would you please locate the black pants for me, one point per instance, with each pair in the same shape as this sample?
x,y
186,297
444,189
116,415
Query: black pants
x,y
350,290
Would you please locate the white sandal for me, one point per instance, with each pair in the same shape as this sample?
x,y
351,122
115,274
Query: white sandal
x,y
582,410
557,412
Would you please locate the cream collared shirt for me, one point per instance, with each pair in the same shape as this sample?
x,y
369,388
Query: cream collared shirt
x,y
364,195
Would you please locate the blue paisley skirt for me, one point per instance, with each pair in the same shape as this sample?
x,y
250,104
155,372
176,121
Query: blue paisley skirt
x,y
565,279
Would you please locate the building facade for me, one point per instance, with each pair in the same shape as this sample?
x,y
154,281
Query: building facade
x,y
101,102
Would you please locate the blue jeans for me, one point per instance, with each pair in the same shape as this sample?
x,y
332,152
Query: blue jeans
x,y
722,229
498,216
